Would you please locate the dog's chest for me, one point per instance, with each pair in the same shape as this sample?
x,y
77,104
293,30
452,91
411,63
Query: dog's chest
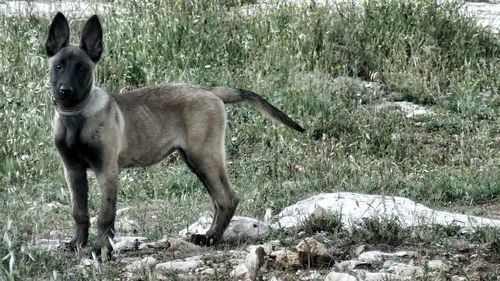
x,y
76,145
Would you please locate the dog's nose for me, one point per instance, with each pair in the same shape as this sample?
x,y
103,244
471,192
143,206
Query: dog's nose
x,y
65,90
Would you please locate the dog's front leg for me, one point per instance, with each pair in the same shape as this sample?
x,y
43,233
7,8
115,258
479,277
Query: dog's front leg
x,y
76,178
108,182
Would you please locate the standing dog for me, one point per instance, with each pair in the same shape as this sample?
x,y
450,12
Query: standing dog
x,y
105,133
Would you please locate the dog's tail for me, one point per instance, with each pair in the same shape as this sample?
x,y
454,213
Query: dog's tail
x,y
228,95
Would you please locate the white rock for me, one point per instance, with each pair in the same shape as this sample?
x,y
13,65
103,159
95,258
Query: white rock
x,y
406,271
306,275
57,234
438,265
360,249
239,272
127,243
87,262
208,271
408,108
348,265
286,258
375,276
268,215
240,227
458,278
160,244
123,211
337,276
126,226
254,261
268,248
179,265
487,14
48,245
147,262
377,256
314,252
354,207
182,248
249,269
53,206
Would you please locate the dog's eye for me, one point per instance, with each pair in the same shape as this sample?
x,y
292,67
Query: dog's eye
x,y
81,69
58,66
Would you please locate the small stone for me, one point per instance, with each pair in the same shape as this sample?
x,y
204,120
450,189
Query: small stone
x,y
123,211
239,227
127,243
377,256
250,267
462,245
286,258
124,226
313,252
239,272
336,276
458,278
179,265
268,216
406,271
53,206
438,265
460,257
388,264
146,262
376,276
181,248
87,262
268,248
348,265
57,234
359,250
48,245
306,275
255,259
208,271
160,244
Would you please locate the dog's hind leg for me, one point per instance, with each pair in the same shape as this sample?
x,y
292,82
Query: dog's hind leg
x,y
210,169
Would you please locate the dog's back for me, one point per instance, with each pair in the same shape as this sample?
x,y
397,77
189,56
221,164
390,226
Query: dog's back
x,y
168,117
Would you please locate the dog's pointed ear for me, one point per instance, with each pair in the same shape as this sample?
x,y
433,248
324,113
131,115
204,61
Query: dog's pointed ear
x,y
91,41
58,36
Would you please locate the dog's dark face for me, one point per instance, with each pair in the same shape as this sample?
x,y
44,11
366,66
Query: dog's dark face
x,y
72,67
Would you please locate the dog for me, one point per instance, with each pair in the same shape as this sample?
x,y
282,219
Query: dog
x,y
107,133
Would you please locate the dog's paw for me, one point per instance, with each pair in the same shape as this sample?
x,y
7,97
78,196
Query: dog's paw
x,y
74,245
204,240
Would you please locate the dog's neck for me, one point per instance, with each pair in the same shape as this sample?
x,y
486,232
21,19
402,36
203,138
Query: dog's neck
x,y
77,109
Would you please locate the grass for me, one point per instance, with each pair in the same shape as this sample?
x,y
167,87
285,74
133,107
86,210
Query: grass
x,y
308,61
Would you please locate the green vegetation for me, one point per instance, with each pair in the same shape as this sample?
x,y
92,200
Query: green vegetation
x,y
418,51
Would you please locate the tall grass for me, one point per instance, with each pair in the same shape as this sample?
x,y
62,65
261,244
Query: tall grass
x,y
420,51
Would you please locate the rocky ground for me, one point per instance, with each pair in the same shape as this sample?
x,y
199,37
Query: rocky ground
x,y
336,236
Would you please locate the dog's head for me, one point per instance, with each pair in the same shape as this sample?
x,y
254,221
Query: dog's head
x,y
72,67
